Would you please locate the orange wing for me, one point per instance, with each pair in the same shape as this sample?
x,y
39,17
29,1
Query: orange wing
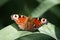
x,y
22,22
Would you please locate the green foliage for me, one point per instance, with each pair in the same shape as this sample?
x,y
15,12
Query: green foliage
x,y
50,9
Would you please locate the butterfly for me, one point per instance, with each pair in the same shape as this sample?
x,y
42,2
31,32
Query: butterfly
x,y
28,23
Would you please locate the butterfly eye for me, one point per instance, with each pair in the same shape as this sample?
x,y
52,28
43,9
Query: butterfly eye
x,y
43,20
15,16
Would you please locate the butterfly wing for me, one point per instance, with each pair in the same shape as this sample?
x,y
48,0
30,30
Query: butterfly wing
x,y
22,23
33,24
28,23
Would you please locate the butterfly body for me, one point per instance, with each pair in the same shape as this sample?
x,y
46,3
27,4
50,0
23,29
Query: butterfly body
x,y
28,23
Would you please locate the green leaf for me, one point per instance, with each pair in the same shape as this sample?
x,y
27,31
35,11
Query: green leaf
x,y
2,2
43,7
37,36
48,29
11,33
56,10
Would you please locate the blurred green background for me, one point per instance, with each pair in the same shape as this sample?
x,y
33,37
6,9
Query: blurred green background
x,y
23,7
35,8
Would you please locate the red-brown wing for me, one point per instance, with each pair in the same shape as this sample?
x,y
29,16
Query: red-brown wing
x,y
37,22
33,24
